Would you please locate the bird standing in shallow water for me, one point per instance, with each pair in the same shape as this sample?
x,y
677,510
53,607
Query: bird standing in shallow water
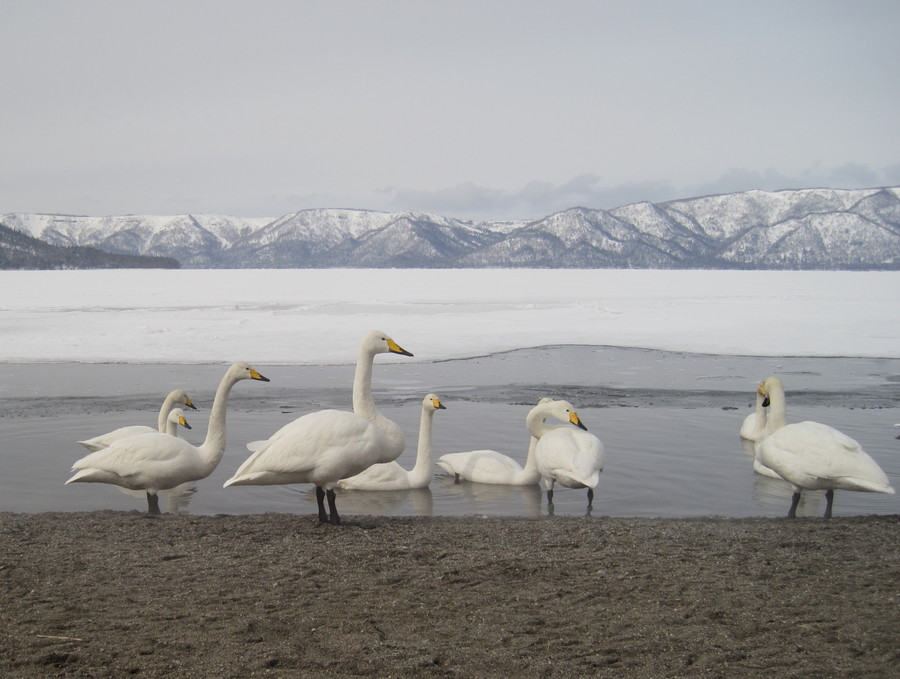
x,y
814,456
329,445
156,461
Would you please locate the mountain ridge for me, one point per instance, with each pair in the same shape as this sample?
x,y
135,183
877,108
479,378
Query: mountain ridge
x,y
789,229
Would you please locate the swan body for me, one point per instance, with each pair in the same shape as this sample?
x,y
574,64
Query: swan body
x,y
105,440
156,461
326,446
390,475
754,425
489,466
814,456
571,457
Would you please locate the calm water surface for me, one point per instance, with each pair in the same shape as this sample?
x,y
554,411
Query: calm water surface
x,y
669,423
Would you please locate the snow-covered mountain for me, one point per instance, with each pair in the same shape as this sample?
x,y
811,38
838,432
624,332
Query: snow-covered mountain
x,y
798,229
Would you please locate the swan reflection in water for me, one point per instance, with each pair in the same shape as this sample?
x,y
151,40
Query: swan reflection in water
x,y
491,498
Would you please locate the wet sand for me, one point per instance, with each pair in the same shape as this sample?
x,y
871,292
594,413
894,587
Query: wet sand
x,y
113,594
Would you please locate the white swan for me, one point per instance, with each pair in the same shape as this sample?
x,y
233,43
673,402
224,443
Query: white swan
x,y
814,456
174,419
390,475
326,446
154,462
570,457
754,425
105,440
489,466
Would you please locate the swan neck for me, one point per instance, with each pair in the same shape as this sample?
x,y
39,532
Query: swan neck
x,y
162,421
777,417
423,453
536,424
363,403
531,460
214,446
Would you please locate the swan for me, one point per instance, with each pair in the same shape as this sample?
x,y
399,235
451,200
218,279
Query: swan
x,y
814,456
154,462
173,420
329,445
390,475
105,440
571,457
754,425
489,466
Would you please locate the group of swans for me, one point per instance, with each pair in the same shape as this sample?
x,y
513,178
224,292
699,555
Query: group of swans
x,y
334,448
556,454
808,455
157,460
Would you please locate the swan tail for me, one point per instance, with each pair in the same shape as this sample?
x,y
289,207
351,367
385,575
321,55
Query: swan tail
x,y
91,445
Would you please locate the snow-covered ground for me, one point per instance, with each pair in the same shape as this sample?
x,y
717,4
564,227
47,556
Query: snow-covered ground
x,y
318,316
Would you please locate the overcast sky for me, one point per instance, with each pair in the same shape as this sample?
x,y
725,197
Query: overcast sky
x,y
482,109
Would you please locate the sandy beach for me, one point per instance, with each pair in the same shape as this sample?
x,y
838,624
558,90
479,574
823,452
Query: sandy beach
x,y
112,594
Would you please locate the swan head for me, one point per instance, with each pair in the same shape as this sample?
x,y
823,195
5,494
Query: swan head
x,y
767,387
561,410
182,397
176,416
243,371
433,402
377,342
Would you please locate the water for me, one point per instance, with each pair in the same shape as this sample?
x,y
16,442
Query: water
x,y
669,422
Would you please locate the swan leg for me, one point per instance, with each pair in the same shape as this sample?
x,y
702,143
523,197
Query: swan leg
x,y
320,500
590,497
332,507
829,498
795,500
153,504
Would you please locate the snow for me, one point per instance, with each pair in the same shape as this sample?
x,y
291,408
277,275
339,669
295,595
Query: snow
x,y
318,316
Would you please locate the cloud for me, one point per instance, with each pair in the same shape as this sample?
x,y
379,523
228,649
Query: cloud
x,y
539,199
846,176
532,201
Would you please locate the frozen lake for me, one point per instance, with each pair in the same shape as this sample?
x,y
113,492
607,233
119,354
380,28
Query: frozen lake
x,y
76,360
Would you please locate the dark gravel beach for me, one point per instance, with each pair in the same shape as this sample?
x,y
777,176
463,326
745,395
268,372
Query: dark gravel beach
x,y
113,594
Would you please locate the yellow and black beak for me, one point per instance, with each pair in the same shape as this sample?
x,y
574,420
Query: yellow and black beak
x,y
183,422
436,402
189,404
256,376
762,392
573,418
395,348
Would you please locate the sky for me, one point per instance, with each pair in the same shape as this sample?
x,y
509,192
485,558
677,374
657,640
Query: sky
x,y
487,109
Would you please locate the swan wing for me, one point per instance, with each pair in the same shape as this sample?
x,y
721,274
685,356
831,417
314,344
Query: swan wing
x,y
152,461
571,456
382,476
481,466
814,455
320,448
106,440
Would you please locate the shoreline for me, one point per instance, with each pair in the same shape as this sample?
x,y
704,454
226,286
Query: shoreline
x,y
105,594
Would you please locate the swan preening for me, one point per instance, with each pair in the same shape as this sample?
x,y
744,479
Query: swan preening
x,y
326,446
489,466
813,456
565,455
390,475
156,461
105,440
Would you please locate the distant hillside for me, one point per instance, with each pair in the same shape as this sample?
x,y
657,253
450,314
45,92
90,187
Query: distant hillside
x,y
797,229
19,251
